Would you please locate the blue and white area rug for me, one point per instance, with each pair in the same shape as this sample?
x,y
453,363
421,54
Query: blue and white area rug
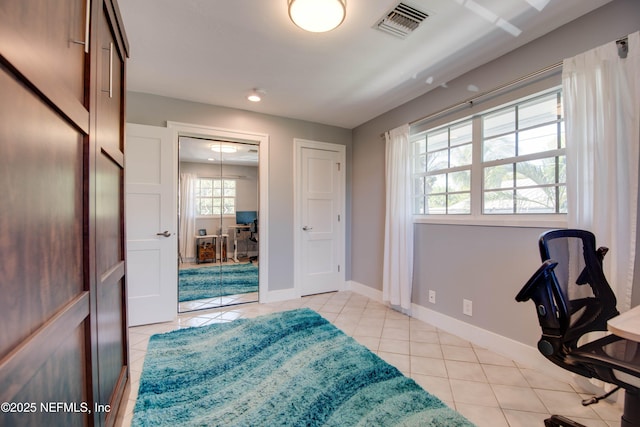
x,y
291,368
217,281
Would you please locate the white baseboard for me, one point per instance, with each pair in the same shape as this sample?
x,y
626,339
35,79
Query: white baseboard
x,y
507,347
277,296
521,353
365,290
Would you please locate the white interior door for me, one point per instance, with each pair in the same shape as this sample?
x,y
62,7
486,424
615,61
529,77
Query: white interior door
x,y
320,218
151,203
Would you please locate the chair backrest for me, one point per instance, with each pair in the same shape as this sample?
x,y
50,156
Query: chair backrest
x,y
567,308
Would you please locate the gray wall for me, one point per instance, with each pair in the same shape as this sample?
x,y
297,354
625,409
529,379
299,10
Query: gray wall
x,y
485,264
157,110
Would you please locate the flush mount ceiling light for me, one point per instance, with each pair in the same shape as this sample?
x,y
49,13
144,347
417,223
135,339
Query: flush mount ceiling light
x,y
221,148
317,16
255,95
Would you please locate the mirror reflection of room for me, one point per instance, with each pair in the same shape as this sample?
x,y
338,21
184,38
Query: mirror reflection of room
x,y
218,223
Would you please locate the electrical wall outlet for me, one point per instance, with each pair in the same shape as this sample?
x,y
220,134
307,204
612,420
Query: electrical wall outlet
x,y
432,297
467,307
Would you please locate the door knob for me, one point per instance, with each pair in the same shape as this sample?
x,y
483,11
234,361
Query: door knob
x,y
307,228
165,233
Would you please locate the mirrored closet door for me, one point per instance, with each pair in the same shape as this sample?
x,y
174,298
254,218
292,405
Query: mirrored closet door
x,y
218,223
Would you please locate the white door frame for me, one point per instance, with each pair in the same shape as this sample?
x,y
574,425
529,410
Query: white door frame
x,y
299,144
187,129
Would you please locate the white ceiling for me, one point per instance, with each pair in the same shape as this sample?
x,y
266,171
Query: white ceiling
x,y
217,51
200,150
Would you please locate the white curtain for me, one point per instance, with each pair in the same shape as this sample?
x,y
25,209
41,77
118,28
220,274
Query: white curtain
x,y
187,216
398,235
602,114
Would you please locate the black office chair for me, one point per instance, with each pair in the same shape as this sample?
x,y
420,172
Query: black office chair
x,y
253,236
567,310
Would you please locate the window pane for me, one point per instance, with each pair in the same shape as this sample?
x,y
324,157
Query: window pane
x,y
503,147
217,183
459,181
419,185
498,202
436,183
498,177
460,156
459,203
420,164
217,192
538,111
536,172
229,184
461,134
436,205
438,140
562,199
538,140
204,206
420,147
419,205
500,122
229,192
536,200
205,187
228,206
438,160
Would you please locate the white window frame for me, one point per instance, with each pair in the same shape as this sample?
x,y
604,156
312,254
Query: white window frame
x,y
476,217
222,197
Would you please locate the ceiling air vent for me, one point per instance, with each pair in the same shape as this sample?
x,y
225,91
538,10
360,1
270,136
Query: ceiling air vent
x,y
402,20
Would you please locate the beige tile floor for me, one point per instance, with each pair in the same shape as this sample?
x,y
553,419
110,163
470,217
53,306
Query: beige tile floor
x,y
211,303
487,388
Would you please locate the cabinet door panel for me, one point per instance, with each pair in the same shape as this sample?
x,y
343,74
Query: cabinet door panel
x,y
60,379
41,215
52,34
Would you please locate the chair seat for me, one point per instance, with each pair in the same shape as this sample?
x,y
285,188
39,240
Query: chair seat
x,y
614,359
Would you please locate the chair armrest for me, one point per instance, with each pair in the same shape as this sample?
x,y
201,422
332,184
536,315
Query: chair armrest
x,y
538,278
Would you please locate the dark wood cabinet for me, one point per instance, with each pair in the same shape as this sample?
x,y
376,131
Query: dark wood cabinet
x,y
63,336
109,207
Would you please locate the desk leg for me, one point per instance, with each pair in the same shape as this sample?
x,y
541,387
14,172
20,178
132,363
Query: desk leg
x,y
235,246
631,412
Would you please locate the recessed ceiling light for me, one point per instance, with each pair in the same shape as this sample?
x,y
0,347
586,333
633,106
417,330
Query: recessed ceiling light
x,y
317,16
